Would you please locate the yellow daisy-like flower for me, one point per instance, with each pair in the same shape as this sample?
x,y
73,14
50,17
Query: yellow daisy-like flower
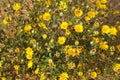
x,y
36,71
29,53
76,43
27,28
116,67
118,47
30,64
61,40
3,78
80,74
91,14
62,5
105,29
42,76
5,21
78,12
67,32
16,67
64,25
78,28
16,6
87,18
93,75
112,48
63,76
103,45
44,36
46,16
42,25
113,31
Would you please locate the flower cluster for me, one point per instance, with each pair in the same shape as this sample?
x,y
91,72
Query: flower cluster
x,y
59,40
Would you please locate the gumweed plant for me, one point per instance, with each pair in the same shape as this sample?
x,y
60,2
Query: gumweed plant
x,y
59,40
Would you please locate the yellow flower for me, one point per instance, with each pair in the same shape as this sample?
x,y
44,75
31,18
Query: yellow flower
x,y
87,18
44,36
30,64
96,39
46,16
93,75
103,1
67,32
63,76
5,21
91,14
62,5
61,40
27,28
29,53
64,25
105,29
42,76
116,67
16,6
48,3
0,64
78,12
16,67
96,32
3,78
76,43
42,25
96,24
36,71
78,28
118,47
32,41
112,48
71,65
80,74
103,45
113,31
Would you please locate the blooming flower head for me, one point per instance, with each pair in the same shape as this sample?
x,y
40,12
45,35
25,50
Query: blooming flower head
x,y
105,29
78,12
91,14
16,67
80,73
44,36
63,76
5,21
62,5
42,76
36,71
29,53
113,31
61,40
67,32
46,16
27,28
116,67
16,6
64,25
30,64
93,75
103,45
78,28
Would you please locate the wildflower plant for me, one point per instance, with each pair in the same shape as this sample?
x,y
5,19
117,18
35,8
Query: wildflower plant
x,y
59,40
